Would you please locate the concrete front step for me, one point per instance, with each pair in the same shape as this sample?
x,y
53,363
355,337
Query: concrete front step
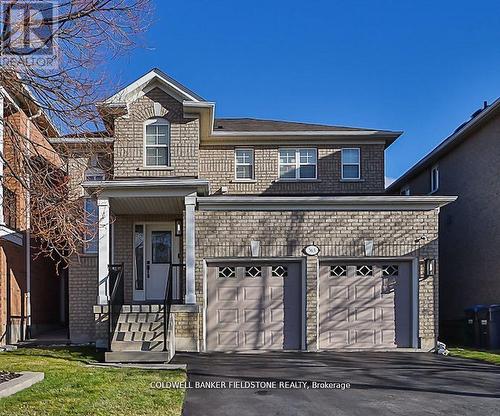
x,y
142,308
139,327
137,345
140,317
138,335
137,357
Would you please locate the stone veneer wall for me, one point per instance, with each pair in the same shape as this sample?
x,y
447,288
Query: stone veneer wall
x,y
337,233
217,165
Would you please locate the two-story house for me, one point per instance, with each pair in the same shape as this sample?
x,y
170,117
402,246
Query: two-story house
x,y
32,293
244,234
464,164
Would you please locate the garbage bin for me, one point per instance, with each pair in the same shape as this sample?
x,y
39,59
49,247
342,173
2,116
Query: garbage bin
x,y
489,327
472,325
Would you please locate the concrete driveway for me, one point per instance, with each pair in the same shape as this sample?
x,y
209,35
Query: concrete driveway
x,y
381,384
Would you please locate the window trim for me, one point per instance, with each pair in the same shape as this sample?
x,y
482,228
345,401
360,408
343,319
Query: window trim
x,y
358,149
252,179
298,164
434,186
163,122
96,235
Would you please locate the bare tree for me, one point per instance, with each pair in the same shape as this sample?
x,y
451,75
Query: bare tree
x,y
87,35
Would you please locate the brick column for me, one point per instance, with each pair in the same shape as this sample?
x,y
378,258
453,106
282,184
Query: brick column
x,y
190,203
312,303
103,250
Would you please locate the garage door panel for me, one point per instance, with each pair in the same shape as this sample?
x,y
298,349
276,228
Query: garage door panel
x,y
357,311
227,339
253,312
227,316
227,294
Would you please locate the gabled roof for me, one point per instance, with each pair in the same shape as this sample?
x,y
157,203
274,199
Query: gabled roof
x,y
254,124
479,118
129,92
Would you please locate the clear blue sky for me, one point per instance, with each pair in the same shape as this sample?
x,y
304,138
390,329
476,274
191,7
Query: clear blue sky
x,y
418,66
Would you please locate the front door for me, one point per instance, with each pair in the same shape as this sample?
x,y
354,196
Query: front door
x,y
159,247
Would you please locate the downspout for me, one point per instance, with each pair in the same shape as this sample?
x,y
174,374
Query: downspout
x,y
28,233
2,219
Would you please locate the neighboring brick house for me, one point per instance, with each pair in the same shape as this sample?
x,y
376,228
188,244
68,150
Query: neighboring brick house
x,y
274,235
32,294
465,164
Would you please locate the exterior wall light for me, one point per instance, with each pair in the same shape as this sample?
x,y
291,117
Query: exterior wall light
x,y
178,228
430,267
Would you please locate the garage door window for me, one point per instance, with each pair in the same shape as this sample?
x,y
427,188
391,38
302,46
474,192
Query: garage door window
x,y
253,271
364,270
279,271
338,271
226,272
390,270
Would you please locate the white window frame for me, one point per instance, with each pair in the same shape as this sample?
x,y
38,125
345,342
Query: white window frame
x,y
350,164
86,249
94,174
161,122
298,164
434,184
405,191
236,164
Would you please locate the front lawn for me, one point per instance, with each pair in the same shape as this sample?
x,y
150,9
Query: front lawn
x,y
72,388
492,357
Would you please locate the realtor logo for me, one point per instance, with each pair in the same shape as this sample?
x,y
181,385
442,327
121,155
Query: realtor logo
x,y
27,33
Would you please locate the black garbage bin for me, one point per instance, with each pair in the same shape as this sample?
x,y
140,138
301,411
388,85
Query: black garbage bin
x,y
472,326
489,327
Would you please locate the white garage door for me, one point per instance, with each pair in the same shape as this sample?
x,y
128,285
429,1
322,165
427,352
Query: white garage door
x,y
365,305
254,306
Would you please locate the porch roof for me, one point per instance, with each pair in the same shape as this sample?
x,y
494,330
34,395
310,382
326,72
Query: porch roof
x,y
146,195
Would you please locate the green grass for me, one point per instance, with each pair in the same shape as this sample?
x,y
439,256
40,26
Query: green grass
x,y
492,357
71,387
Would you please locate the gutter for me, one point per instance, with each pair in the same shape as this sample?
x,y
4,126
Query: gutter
x,y
327,203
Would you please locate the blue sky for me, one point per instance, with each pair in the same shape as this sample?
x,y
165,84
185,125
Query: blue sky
x,y
418,66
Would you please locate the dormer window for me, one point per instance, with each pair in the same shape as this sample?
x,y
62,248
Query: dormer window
x,y
157,143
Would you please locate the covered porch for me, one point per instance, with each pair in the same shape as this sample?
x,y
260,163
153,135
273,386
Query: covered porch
x,y
146,262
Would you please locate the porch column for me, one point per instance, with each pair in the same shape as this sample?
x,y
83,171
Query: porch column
x,y
190,203
103,250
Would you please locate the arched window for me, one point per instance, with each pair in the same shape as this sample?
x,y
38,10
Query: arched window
x,y
157,143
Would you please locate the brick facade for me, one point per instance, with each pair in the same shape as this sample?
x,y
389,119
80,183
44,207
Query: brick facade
x,y
217,165
129,138
339,233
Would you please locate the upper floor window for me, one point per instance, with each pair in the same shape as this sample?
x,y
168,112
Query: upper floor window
x,y
298,163
351,161
434,178
244,164
157,142
405,190
94,172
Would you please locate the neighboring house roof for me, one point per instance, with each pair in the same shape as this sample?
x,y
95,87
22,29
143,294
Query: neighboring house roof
x,y
479,118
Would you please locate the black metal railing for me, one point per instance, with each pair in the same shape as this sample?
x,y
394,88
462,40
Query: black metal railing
x,y
116,298
178,271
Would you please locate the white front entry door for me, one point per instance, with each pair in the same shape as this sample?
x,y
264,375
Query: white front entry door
x,y
159,254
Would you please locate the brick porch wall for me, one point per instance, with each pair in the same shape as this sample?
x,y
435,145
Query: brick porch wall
x,y
395,233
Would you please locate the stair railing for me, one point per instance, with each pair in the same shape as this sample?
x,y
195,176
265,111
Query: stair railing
x,y
116,298
168,298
